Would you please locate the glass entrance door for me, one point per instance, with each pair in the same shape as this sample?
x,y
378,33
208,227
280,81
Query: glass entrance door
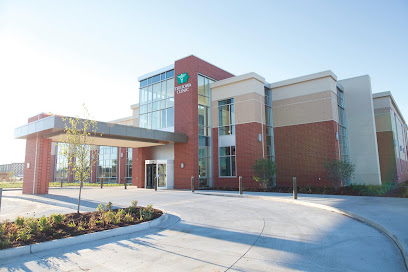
x,y
162,182
150,174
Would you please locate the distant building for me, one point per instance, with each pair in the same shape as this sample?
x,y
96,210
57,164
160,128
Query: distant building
x,y
17,168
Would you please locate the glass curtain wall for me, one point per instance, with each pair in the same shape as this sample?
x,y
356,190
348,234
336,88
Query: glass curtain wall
x,y
226,126
107,164
61,166
204,131
129,153
342,126
270,150
156,98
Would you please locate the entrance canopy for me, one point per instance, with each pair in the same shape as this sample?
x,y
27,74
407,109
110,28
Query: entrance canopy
x,y
109,134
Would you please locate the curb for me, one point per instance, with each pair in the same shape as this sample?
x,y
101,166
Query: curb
x,y
85,238
352,215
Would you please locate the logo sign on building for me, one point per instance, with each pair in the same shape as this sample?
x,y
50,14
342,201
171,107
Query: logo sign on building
x,y
182,78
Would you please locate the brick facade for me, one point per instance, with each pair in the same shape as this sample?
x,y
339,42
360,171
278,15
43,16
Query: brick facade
x,y
38,156
139,155
248,149
186,118
300,151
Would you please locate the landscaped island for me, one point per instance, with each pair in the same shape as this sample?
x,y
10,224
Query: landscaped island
x,y
25,231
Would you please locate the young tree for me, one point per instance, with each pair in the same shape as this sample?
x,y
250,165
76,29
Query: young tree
x,y
338,171
264,171
76,146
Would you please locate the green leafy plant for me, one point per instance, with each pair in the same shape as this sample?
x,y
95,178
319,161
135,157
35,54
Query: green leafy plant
x,y
57,218
23,234
133,207
264,172
72,224
148,212
108,206
81,226
19,221
92,222
128,218
120,215
339,171
100,208
44,224
31,224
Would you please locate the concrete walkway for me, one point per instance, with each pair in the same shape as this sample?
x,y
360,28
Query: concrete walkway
x,y
210,233
391,213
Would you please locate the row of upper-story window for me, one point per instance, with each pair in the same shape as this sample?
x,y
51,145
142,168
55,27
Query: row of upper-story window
x,y
157,78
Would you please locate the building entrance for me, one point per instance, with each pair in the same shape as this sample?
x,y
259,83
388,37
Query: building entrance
x,y
160,169
150,175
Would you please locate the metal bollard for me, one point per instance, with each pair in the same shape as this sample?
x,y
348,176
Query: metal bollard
x,y
101,183
1,193
240,185
294,188
155,183
192,184
125,184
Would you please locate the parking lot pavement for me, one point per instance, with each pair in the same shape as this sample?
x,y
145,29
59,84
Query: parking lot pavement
x,y
210,233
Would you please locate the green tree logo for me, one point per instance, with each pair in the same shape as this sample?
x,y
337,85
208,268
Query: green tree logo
x,y
182,78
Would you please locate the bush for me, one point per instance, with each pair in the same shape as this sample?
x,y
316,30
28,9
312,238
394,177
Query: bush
x,y
19,221
31,224
339,171
133,207
44,224
128,218
23,234
264,172
57,218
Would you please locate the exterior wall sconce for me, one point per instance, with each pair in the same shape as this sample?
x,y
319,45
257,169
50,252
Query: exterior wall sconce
x,y
121,154
182,165
28,165
259,137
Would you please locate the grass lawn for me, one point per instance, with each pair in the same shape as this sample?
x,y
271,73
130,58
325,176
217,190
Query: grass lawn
x,y
19,184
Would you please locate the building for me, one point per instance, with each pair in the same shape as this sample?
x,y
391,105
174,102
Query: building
x,y
196,120
16,168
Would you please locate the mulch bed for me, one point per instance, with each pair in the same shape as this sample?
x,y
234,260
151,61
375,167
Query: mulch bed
x,y
62,230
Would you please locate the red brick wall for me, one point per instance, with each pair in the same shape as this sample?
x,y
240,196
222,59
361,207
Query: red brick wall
x,y
300,151
186,118
39,164
248,150
386,154
139,156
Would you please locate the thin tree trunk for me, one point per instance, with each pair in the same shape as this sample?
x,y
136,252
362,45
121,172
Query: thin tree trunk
x,y
79,197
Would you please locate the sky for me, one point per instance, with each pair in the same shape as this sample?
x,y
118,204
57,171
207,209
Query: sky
x,y
57,55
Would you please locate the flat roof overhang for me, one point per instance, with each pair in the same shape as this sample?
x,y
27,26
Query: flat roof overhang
x,y
108,134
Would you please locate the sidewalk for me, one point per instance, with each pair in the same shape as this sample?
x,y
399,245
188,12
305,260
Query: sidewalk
x,y
390,213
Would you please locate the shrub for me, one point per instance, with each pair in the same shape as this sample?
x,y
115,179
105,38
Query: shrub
x,y
338,171
100,208
108,206
31,224
57,218
264,172
44,224
128,218
81,226
109,217
23,234
72,224
133,207
92,222
4,243
19,221
120,216
148,212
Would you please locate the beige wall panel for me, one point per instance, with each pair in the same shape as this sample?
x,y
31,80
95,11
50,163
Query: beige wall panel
x,y
383,122
304,88
248,108
362,136
382,102
305,112
250,85
303,98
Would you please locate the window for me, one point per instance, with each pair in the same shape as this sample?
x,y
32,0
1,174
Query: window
x,y
226,117
204,131
342,125
227,161
270,151
156,100
129,152
107,164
